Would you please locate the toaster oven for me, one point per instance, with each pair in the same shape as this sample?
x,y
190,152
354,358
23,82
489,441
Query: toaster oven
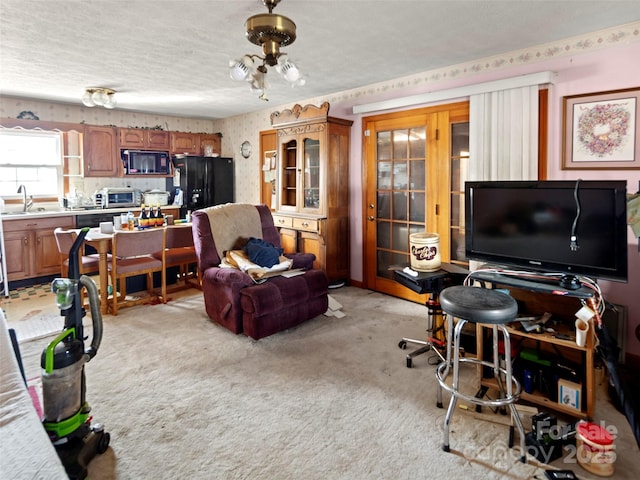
x,y
121,197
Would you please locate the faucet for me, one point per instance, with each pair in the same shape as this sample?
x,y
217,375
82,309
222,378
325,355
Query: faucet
x,y
26,205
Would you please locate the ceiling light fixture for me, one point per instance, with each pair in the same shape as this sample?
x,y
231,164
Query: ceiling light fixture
x,y
270,31
99,96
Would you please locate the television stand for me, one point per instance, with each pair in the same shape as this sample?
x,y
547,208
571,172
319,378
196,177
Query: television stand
x,y
532,284
558,347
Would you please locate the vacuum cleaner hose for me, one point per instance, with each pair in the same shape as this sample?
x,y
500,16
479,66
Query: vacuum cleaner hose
x,y
96,315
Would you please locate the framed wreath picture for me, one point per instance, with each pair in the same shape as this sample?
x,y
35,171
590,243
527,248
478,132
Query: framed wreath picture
x,y
602,130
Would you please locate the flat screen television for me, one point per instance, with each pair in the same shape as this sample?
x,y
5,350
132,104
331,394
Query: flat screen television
x,y
572,228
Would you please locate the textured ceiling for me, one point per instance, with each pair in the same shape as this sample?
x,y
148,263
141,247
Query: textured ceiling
x,y
171,56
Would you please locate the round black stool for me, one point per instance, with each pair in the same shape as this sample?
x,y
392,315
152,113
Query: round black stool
x,y
479,305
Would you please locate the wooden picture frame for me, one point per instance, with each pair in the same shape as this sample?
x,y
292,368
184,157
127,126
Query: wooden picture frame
x,y
601,130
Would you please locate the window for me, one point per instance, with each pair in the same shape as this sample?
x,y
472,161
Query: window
x,y
33,159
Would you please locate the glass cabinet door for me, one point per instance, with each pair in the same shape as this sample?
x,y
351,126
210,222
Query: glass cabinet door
x,y
311,177
288,175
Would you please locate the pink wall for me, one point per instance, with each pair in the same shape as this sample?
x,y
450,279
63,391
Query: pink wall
x,y
605,69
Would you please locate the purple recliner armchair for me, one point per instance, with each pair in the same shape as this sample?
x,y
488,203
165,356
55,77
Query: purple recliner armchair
x,y
232,299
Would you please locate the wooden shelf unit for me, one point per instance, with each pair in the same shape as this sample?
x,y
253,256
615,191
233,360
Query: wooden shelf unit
x,y
312,188
538,298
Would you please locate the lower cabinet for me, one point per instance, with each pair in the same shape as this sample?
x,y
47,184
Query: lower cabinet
x,y
300,234
31,247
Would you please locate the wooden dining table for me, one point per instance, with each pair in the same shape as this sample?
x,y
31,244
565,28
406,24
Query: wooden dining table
x,y
102,242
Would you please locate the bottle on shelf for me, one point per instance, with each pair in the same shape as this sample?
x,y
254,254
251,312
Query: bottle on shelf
x,y
159,217
153,216
143,220
131,223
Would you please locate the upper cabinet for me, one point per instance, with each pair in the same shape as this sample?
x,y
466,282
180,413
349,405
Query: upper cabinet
x,y
185,142
313,160
312,185
210,144
101,157
144,138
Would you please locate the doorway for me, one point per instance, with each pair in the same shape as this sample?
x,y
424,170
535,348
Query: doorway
x,y
409,158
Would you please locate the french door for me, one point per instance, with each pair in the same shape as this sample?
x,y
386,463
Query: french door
x,y
408,188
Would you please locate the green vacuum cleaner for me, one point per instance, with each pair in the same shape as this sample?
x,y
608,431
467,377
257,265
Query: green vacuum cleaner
x,y
66,411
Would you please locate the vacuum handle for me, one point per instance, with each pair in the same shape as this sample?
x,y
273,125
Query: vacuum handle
x,y
74,266
96,314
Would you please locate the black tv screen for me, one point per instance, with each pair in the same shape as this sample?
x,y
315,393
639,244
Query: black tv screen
x,y
573,228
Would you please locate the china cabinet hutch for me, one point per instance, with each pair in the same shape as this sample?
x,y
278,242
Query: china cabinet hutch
x,y
312,186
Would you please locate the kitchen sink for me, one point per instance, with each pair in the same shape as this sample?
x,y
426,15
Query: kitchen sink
x,y
15,213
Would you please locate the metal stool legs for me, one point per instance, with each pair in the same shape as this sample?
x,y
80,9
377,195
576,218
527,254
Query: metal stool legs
x,y
508,395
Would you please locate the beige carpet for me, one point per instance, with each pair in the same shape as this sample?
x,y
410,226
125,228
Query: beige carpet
x,y
330,399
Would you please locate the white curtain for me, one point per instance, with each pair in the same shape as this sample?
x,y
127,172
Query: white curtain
x,y
503,135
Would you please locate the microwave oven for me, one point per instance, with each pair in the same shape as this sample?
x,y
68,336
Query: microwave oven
x,y
143,162
120,197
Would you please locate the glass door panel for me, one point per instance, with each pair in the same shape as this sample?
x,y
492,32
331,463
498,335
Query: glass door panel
x,y
400,193
311,173
409,157
289,174
459,169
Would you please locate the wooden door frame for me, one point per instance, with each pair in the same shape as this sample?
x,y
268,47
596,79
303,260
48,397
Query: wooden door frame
x,y
451,112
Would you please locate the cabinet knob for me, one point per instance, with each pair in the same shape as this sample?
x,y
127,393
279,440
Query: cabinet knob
x,y
371,218
305,224
372,206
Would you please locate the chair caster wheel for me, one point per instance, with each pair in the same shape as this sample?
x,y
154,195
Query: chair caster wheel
x,y
402,345
409,362
439,404
445,448
523,459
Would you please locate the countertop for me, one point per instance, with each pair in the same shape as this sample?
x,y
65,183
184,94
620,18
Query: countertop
x,y
9,216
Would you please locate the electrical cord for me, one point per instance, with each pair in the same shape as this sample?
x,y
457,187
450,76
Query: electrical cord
x,y
573,245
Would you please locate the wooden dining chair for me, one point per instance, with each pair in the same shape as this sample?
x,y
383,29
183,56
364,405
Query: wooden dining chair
x,y
131,255
180,252
87,264
64,240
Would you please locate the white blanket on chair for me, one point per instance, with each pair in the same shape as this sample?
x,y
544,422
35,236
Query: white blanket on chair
x,y
232,222
238,259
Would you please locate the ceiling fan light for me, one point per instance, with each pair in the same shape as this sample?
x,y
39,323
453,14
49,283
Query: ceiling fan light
x,y
98,97
110,102
290,72
87,100
238,71
270,31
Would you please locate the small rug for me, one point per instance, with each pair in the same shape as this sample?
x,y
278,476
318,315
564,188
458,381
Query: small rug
x,y
31,312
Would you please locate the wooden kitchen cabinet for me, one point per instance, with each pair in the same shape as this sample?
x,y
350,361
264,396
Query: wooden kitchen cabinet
x,y
144,138
210,140
31,247
185,142
101,155
312,186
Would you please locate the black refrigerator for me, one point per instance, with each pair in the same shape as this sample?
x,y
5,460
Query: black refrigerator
x,y
204,181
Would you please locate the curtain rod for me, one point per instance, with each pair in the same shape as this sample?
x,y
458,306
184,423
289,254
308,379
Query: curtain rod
x,y
540,78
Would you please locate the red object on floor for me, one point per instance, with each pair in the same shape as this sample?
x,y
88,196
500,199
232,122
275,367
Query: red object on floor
x,y
35,398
